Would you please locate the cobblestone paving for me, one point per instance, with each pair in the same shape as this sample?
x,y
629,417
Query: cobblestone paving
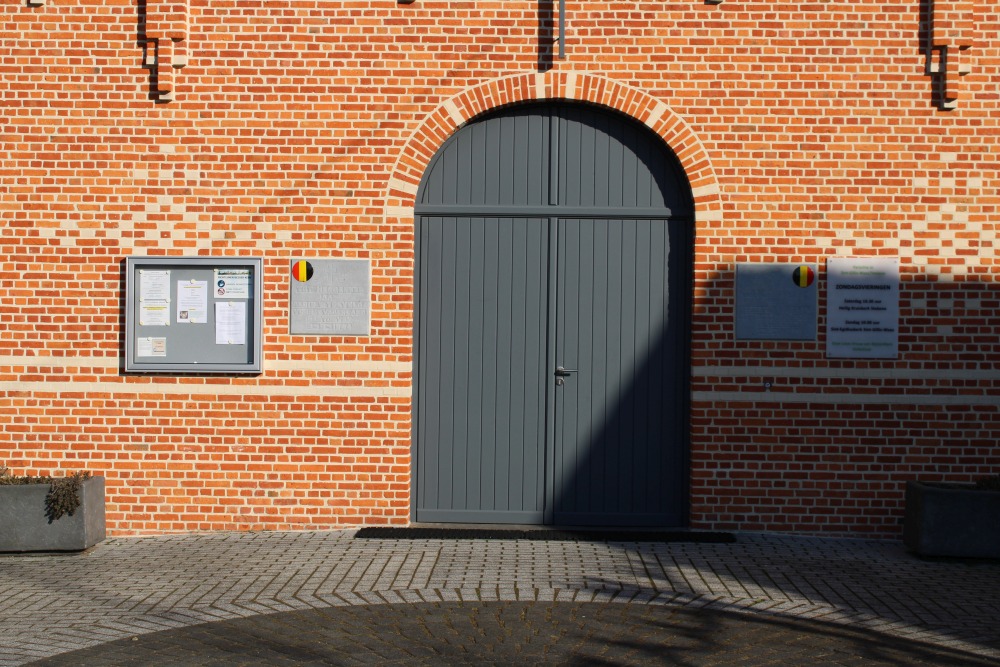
x,y
129,587
515,633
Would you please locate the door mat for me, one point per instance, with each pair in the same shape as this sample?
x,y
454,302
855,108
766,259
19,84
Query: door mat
x,y
382,533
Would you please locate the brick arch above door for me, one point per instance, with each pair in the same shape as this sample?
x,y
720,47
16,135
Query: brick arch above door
x,y
456,111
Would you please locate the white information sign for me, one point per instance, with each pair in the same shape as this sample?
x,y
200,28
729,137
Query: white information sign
x,y
154,285
232,283
154,314
192,301
151,347
230,323
862,302
154,298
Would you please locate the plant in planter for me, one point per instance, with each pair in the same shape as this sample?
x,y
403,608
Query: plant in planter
x,y
50,513
961,520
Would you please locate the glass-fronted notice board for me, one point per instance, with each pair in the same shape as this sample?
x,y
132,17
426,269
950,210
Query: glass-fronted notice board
x,y
193,314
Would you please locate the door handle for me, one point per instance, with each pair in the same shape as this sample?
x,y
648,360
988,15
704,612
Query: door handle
x,y
564,372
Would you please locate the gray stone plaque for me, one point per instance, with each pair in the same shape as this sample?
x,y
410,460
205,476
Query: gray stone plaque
x,y
776,302
330,297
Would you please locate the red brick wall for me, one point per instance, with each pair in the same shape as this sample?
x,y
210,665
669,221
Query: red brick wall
x,y
302,129
830,468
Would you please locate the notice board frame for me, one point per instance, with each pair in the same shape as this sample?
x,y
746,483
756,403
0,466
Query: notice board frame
x,y
191,346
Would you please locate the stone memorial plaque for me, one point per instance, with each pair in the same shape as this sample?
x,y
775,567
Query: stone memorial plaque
x,y
862,301
776,302
330,297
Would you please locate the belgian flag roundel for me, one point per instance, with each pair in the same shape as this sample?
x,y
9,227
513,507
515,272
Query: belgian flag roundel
x,y
302,270
803,276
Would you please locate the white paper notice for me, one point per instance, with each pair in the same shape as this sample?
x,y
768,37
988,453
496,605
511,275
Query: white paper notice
x,y
151,347
192,301
230,323
232,283
154,314
154,285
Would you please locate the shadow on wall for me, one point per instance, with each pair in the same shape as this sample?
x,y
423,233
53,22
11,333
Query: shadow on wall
x,y
788,457
146,51
773,448
958,40
546,34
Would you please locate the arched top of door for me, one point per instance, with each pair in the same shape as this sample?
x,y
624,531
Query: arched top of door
x,y
555,158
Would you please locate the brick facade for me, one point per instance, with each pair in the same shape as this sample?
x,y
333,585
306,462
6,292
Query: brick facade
x,y
230,128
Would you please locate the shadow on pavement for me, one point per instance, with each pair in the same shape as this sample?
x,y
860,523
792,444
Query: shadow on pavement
x,y
515,633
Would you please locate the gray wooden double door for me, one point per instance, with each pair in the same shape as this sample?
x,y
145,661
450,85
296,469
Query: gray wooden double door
x,y
553,259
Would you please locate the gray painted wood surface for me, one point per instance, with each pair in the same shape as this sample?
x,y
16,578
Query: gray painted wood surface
x,y
619,433
527,258
483,375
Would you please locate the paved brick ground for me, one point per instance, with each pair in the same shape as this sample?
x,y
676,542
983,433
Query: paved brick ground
x,y
514,633
836,596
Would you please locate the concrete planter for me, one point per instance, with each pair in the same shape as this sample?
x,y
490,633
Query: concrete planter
x,y
24,526
952,520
